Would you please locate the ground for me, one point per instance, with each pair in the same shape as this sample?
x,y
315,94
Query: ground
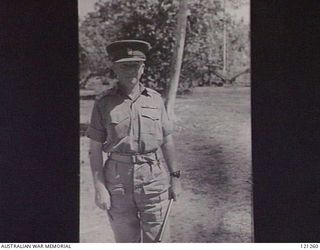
x,y
213,143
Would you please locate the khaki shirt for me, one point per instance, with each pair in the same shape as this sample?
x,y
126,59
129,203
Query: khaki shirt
x,y
127,125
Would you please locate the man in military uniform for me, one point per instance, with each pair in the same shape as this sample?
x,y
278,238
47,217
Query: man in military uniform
x,y
131,124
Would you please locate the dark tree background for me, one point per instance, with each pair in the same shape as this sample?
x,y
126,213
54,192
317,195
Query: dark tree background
x,y
155,21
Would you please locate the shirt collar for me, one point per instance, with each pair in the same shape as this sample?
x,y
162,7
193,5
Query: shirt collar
x,y
142,91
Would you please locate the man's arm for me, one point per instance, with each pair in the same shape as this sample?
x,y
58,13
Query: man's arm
x,y
102,196
169,155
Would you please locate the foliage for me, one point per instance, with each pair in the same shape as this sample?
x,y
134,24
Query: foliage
x,y
238,49
155,22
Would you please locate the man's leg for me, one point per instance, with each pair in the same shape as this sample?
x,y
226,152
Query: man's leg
x,y
123,214
152,199
152,219
125,225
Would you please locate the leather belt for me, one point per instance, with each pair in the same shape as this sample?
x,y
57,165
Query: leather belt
x,y
134,158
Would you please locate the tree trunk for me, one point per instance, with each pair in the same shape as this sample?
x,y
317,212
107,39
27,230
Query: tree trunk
x,y
177,57
224,40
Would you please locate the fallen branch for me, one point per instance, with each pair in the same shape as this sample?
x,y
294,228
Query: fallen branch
x,y
230,80
84,82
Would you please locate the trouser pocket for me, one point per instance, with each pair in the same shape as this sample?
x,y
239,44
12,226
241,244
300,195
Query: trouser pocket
x,y
111,173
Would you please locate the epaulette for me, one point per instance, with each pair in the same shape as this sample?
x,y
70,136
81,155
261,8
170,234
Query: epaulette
x,y
106,92
152,91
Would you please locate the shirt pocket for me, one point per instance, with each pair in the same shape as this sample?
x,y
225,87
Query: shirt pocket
x,y
150,120
118,125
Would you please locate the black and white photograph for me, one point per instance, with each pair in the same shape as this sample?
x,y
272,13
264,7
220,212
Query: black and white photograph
x,y
159,121
165,121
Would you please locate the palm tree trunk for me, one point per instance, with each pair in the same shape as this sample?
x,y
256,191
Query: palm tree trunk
x,y
177,58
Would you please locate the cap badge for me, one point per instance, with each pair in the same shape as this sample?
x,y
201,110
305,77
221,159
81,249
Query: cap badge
x,y
130,52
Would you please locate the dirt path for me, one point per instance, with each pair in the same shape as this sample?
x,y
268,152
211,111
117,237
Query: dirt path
x,y
213,144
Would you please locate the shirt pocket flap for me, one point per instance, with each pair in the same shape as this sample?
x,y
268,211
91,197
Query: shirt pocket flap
x,y
150,112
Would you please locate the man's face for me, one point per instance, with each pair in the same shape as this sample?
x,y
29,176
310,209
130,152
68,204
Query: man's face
x,y
128,73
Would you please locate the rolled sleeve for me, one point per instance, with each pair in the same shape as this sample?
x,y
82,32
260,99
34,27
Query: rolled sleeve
x,y
167,124
96,130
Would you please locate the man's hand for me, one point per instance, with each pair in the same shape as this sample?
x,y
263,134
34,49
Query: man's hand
x,y
102,198
175,188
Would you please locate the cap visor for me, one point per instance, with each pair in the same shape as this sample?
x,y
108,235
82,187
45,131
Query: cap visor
x,y
130,60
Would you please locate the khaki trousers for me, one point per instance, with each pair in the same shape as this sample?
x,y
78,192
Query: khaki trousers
x,y
139,198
